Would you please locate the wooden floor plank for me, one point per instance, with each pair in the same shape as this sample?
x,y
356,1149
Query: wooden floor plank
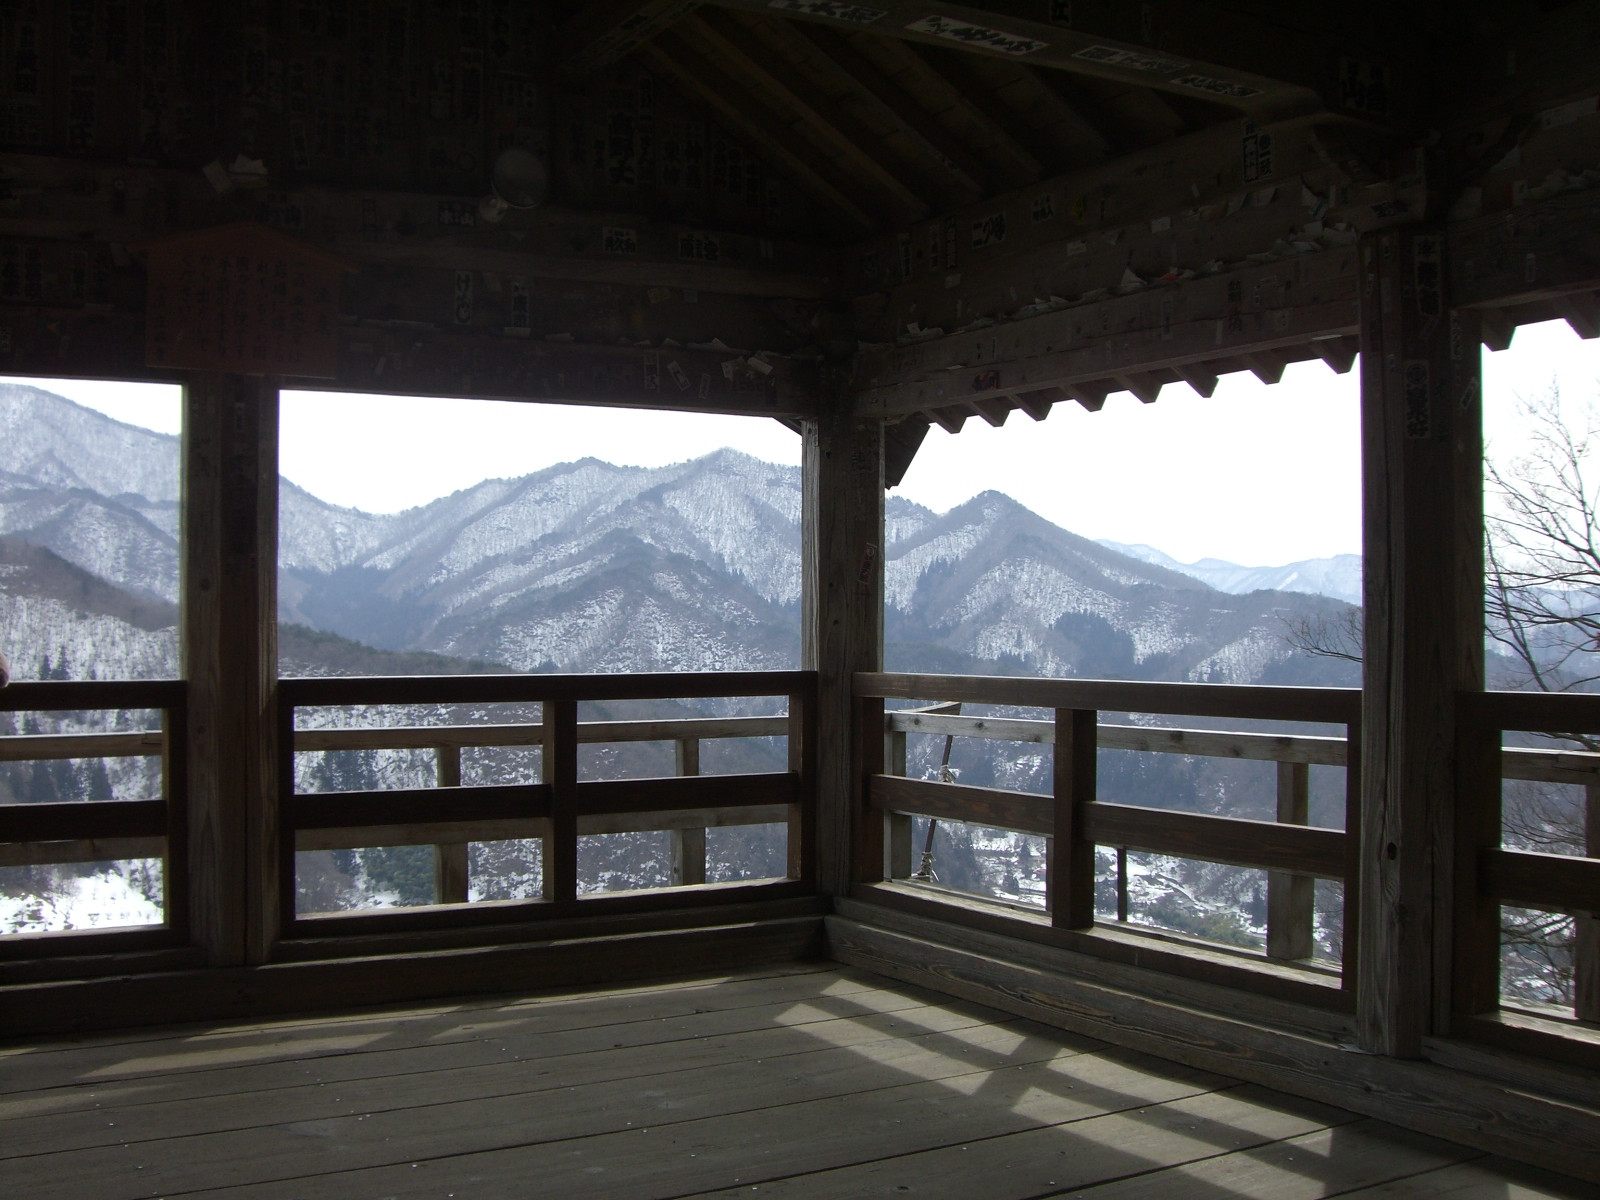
x,y
814,1084
216,1049
1484,1179
511,1067
533,1034
730,984
1056,1158
664,1154
1329,1162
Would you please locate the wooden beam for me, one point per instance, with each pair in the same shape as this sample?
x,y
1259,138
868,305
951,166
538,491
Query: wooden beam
x,y
994,412
1268,368
1582,313
1083,347
901,441
947,419
75,201
1338,352
1422,518
957,164
1542,250
834,131
1038,404
1091,395
1203,381
1146,388
691,71
842,540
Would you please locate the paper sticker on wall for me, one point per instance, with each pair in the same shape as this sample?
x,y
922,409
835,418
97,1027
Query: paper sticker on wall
x,y
617,240
1044,207
989,230
1132,60
854,14
679,376
1217,87
1257,150
977,35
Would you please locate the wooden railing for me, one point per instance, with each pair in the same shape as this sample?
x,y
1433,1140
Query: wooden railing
x,y
1072,818
558,809
100,830
1490,875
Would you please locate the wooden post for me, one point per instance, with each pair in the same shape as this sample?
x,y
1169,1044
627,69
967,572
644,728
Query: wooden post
x,y
1586,943
802,834
241,882
1422,492
899,824
842,620
559,756
1291,898
688,846
451,865
1069,890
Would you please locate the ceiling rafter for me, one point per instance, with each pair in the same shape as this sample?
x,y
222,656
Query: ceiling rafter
x,y
957,164
1056,127
1185,46
946,419
1037,404
834,131
673,58
608,32
1013,162
1145,387
1203,381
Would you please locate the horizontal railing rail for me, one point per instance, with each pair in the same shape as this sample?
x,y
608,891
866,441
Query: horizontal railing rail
x,y
109,829
1074,821
560,808
1491,874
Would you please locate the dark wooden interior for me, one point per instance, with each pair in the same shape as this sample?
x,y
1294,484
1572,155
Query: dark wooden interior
x,y
862,221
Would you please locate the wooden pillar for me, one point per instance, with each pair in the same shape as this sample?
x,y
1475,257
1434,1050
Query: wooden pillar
x,y
842,614
230,659
452,861
1422,493
1291,899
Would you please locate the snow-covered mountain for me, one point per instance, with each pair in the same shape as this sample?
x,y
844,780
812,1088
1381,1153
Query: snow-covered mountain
x,y
586,566
1338,576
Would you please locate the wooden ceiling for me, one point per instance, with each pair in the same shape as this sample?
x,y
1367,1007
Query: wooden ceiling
x,y
890,113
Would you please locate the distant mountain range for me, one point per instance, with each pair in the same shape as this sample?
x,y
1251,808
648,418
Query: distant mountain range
x,y
1338,576
586,566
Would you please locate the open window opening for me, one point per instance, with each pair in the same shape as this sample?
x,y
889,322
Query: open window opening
x,y
465,537
1200,540
90,545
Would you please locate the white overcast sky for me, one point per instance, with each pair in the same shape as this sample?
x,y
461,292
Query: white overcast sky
x,y
1256,475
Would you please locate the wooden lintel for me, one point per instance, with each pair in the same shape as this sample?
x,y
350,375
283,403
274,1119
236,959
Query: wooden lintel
x,y
404,359
1542,250
77,201
1203,330
699,77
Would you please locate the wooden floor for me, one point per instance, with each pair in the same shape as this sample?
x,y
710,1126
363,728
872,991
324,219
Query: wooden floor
x,y
790,1082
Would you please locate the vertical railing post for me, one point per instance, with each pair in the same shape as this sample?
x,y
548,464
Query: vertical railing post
x,y
899,824
1069,890
560,759
450,867
1291,898
1122,884
687,846
867,760
1586,942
